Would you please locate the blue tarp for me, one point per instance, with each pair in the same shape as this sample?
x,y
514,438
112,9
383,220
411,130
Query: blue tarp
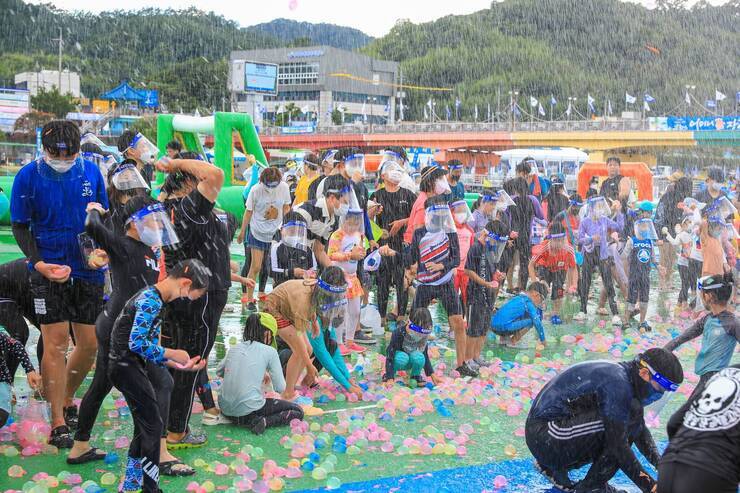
x,y
124,92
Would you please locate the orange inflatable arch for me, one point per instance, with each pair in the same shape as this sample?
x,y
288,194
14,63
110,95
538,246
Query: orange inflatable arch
x,y
639,172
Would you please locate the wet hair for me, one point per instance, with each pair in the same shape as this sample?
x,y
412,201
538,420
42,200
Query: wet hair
x,y
190,155
454,162
556,202
192,269
270,174
508,187
135,205
421,317
522,201
722,294
524,166
398,150
177,181
175,145
253,329
124,141
436,200
498,228
664,362
231,225
539,288
335,182
344,152
613,159
115,196
61,138
429,175
312,158
332,275
93,149
556,228
293,216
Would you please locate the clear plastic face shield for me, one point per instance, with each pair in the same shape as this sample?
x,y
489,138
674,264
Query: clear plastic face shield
x,y
597,207
127,177
645,230
142,149
722,207
353,222
460,211
503,200
715,226
439,218
347,200
154,226
556,242
392,172
328,162
355,164
332,300
730,232
295,235
495,246
392,156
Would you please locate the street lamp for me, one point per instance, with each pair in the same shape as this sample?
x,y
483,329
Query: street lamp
x,y
688,97
513,96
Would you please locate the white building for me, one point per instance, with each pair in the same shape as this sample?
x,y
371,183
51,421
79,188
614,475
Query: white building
x,y
49,79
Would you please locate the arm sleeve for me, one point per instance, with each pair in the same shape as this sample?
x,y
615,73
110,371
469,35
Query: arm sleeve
x,y
582,235
390,354
428,368
139,340
536,319
618,224
222,367
27,243
537,207
453,259
101,194
615,433
249,204
17,349
730,324
276,371
411,255
196,207
691,333
327,360
413,223
646,446
95,227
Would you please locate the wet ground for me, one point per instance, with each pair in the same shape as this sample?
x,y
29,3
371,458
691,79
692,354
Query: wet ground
x,y
464,435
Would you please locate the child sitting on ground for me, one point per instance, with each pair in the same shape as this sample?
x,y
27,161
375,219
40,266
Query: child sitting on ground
x,y
519,314
408,349
241,397
13,353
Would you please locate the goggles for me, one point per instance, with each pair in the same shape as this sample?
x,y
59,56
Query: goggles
x,y
660,379
420,330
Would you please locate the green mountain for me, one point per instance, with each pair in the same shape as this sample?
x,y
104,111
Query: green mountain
x,y
569,48
316,34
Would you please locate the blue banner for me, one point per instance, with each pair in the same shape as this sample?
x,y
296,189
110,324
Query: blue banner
x,y
297,129
151,98
703,122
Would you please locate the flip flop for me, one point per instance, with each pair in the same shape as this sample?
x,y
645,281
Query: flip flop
x,y
168,468
91,455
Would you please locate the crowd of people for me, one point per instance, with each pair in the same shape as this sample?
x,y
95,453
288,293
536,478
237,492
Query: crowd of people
x,y
139,284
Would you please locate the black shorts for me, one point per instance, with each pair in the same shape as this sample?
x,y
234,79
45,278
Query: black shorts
x,y
555,279
75,301
444,293
638,289
479,318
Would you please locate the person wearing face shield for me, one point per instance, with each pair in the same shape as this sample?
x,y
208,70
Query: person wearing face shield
x,y
134,260
138,366
710,237
719,329
134,145
47,213
408,349
457,188
292,257
689,258
307,311
592,413
465,237
434,254
189,194
642,251
395,204
482,268
484,210
433,183
712,189
551,262
310,175
593,241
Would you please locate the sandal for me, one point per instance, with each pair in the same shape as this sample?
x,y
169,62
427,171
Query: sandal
x,y
170,468
91,455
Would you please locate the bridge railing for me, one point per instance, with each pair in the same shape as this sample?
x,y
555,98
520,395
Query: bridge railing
x,y
446,127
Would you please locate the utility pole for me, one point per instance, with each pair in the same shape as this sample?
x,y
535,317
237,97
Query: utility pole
x,y
60,39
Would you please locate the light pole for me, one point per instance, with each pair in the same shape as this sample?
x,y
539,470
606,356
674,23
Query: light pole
x,y
688,96
513,96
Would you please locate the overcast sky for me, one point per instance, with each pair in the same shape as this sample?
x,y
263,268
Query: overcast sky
x,y
374,17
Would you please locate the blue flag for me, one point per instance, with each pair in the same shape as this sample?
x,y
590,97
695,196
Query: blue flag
x,y
553,101
649,98
710,103
448,113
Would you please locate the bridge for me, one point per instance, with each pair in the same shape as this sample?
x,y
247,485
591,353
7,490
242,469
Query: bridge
x,y
591,136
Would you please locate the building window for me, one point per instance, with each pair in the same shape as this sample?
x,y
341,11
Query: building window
x,y
294,96
293,73
352,97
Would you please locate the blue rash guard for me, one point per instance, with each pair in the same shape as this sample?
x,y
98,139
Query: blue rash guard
x,y
516,314
720,334
136,330
54,206
334,363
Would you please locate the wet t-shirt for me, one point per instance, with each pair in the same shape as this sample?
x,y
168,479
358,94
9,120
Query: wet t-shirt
x,y
202,235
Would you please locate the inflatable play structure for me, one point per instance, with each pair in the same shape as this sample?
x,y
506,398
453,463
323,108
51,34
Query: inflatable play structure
x,y
222,126
639,173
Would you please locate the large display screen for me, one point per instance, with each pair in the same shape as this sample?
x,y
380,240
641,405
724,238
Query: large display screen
x,y
260,77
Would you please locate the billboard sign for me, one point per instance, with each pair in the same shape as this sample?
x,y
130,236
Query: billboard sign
x,y
695,123
260,78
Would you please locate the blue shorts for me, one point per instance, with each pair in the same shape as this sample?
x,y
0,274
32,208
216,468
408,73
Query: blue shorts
x,y
5,397
253,242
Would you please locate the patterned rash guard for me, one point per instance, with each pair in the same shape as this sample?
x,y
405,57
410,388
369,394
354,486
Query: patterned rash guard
x,y
8,347
136,331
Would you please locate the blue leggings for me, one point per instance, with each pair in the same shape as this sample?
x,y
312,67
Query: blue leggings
x,y
414,362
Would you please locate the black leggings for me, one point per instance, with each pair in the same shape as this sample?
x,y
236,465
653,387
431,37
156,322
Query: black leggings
x,y
146,388
688,282
391,274
525,251
192,326
276,412
682,478
591,261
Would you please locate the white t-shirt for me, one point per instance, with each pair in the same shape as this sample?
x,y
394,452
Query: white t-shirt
x,y
261,201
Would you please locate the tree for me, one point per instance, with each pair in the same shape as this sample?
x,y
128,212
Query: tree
x,y
301,42
52,102
291,111
29,122
337,118
147,126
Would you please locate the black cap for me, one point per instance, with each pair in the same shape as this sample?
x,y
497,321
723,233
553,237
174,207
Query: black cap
x,y
540,288
716,174
664,362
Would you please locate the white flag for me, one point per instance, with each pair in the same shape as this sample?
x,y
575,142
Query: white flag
x,y
540,109
476,112
591,102
429,103
687,98
645,106
629,99
609,107
718,96
568,111
426,114
533,101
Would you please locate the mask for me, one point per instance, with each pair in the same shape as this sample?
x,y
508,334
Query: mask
x,y
717,187
343,209
59,165
652,396
460,217
272,184
151,237
441,187
395,176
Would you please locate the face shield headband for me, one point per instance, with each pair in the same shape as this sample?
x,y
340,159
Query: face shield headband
x,y
418,329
